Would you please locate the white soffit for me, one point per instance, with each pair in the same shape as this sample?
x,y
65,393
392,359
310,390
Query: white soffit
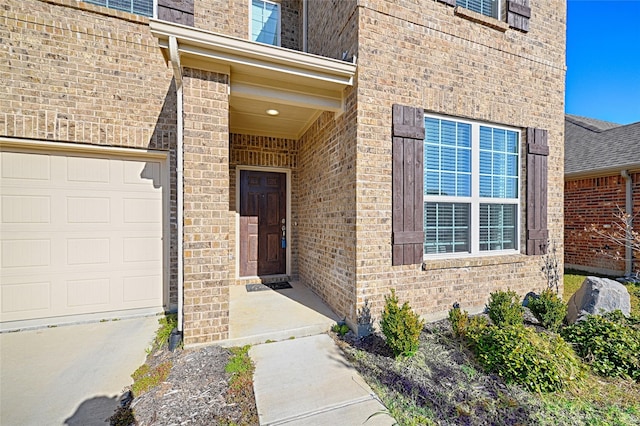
x,y
299,85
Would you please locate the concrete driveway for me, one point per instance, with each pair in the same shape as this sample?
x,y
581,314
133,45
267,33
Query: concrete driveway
x,y
70,375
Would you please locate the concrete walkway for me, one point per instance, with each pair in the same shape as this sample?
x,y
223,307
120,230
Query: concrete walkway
x,y
71,375
255,317
307,381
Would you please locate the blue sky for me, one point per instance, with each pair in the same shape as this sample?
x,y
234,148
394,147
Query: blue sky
x,y
603,59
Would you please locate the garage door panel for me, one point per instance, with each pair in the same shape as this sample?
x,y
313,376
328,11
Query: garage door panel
x,y
25,253
79,235
88,251
88,170
26,209
140,288
141,210
28,167
141,250
141,176
26,297
88,293
88,210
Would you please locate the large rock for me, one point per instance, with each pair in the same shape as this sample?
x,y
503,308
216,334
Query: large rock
x,y
598,296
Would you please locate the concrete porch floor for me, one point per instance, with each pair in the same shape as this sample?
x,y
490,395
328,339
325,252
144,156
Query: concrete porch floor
x,y
255,317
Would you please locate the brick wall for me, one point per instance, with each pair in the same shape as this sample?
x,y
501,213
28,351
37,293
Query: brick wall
x,y
333,28
72,74
206,207
596,201
291,24
229,17
327,211
419,53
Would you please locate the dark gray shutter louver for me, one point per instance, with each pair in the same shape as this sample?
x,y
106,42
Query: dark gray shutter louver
x,y
176,11
408,208
537,154
518,14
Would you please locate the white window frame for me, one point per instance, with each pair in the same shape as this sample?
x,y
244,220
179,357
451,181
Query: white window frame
x,y
279,27
154,11
475,200
498,11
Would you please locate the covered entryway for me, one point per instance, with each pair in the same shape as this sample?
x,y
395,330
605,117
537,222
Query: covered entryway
x,y
266,95
81,234
263,238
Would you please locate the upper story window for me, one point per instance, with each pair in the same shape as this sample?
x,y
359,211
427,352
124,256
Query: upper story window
x,y
485,7
471,187
265,22
139,7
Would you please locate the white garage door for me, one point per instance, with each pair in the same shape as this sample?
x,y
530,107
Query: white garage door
x,y
81,236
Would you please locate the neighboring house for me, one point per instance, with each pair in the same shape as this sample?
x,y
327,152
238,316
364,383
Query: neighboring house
x,y
356,146
602,179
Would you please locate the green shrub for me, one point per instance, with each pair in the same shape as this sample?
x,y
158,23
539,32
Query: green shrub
x,y
618,317
539,362
459,320
340,329
549,309
476,328
401,326
611,347
504,308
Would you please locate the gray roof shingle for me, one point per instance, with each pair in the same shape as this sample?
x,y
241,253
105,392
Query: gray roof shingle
x,y
591,123
593,146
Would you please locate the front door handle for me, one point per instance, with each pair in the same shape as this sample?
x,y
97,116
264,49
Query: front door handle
x,y
283,242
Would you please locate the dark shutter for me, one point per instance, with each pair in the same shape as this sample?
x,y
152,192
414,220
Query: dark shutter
x,y
518,14
537,154
176,11
408,208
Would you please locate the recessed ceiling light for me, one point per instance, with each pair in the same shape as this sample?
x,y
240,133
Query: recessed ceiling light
x,y
273,112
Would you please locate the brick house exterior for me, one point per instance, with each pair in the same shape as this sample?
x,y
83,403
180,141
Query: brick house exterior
x,y
602,179
354,83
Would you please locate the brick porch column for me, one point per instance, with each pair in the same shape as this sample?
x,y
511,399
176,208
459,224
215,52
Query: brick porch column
x,y
206,206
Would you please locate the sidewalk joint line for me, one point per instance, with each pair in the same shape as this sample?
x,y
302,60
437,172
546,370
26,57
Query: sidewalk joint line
x,y
329,408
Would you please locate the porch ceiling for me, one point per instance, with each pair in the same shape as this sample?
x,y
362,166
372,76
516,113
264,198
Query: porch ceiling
x,y
298,85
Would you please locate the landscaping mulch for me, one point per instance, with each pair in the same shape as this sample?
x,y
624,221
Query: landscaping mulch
x,y
196,392
442,383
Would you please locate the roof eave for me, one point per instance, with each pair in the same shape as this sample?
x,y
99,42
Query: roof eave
x,y
632,167
277,62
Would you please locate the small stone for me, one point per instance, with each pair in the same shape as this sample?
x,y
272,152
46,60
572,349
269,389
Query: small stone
x,y
529,318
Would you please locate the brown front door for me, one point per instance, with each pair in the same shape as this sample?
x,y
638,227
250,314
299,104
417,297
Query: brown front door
x,y
263,212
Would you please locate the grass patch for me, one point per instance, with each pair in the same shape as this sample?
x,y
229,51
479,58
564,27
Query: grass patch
x,y
572,282
167,324
598,401
240,390
145,377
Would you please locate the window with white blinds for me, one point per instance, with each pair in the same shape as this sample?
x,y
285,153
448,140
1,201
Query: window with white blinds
x,y
139,7
485,7
471,187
